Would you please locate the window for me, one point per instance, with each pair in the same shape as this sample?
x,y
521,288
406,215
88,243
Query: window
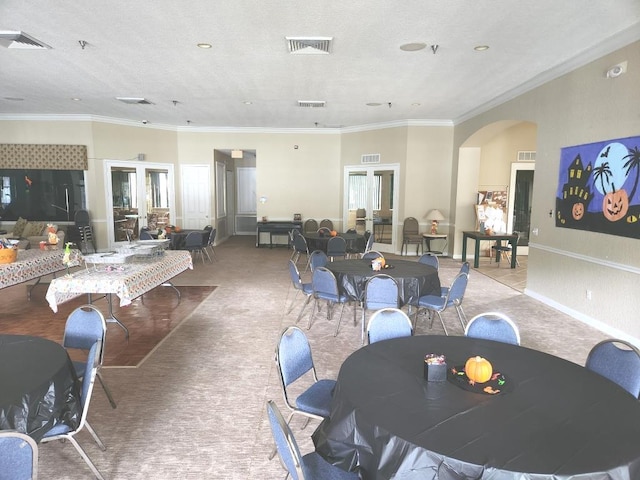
x,y
358,191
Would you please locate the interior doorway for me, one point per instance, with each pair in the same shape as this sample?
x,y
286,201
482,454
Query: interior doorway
x,y
520,202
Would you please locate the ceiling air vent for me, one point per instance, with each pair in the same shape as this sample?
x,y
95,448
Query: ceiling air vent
x,y
309,45
311,103
134,100
370,158
11,39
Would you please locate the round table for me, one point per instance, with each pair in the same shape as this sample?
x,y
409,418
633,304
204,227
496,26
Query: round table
x,y
38,386
178,239
355,242
414,279
557,420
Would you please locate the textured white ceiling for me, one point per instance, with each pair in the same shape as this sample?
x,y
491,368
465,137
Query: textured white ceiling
x,y
147,48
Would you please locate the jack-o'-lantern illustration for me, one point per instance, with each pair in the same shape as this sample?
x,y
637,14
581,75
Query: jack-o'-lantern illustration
x,y
615,205
577,211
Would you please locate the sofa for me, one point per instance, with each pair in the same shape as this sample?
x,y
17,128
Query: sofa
x,y
31,233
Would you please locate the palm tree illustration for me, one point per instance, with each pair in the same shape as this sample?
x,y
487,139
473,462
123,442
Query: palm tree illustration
x,y
603,173
633,163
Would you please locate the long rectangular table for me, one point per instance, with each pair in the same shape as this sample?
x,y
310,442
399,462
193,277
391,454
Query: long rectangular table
x,y
497,237
276,228
32,264
128,281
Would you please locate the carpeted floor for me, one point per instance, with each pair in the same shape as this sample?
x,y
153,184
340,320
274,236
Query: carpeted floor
x,y
195,409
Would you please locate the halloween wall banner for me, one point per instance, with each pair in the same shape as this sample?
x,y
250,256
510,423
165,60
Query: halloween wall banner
x,y
598,187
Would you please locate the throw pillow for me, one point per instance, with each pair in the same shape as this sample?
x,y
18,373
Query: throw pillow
x,y
33,229
18,228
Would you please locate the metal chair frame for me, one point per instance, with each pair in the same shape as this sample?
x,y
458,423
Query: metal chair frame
x,y
453,297
504,325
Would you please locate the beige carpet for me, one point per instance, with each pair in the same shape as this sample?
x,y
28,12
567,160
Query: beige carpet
x,y
195,409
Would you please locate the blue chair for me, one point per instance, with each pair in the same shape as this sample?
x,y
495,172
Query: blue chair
x,y
369,242
18,456
85,326
196,242
619,361
380,291
438,304
310,226
326,231
308,467
336,247
326,223
300,248
318,259
325,287
430,259
388,323
294,361
464,268
299,286
372,255
493,326
211,240
64,432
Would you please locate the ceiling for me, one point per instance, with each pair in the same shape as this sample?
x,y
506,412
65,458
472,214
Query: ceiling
x,y
147,49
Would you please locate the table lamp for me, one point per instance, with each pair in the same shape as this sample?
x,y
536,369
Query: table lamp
x,y
435,216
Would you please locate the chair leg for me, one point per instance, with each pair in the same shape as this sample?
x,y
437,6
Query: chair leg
x,y
443,325
85,457
304,305
95,436
293,301
106,390
461,316
339,320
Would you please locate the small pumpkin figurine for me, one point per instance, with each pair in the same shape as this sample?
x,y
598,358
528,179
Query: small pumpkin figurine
x,y
478,369
333,233
382,261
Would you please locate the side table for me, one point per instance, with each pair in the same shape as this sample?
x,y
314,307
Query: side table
x,y
436,236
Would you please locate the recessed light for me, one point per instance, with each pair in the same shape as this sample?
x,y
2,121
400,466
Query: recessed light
x,y
76,99
14,99
248,102
204,45
413,47
481,48
373,104
415,104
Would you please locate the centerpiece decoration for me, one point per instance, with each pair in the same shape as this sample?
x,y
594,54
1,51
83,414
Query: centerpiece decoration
x,y
8,252
478,369
333,233
68,259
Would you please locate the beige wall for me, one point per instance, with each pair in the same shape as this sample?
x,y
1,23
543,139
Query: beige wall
x,y
580,107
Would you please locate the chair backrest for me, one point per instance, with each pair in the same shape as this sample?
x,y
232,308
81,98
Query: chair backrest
x,y
286,444
310,226
318,259
18,456
371,255
300,244
457,289
324,281
324,231
352,230
293,356
381,291
212,236
464,268
361,213
619,361
493,326
326,223
336,247
145,235
81,218
370,239
294,274
85,325
88,380
388,323
410,226
194,240
430,259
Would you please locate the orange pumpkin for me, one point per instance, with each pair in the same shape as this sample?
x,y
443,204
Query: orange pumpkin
x,y
333,233
478,369
615,205
577,211
381,260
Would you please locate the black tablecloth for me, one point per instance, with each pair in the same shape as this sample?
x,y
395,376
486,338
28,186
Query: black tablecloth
x,y
355,242
414,279
38,386
559,421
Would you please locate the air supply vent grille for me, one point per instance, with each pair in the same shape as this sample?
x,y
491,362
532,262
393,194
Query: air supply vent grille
x,y
526,156
312,103
16,39
309,45
134,100
370,158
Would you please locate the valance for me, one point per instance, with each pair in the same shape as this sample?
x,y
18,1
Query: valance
x,y
43,157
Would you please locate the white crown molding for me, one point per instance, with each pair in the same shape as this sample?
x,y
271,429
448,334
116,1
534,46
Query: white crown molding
x,y
616,42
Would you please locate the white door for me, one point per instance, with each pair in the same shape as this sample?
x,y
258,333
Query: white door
x,y
196,196
374,188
